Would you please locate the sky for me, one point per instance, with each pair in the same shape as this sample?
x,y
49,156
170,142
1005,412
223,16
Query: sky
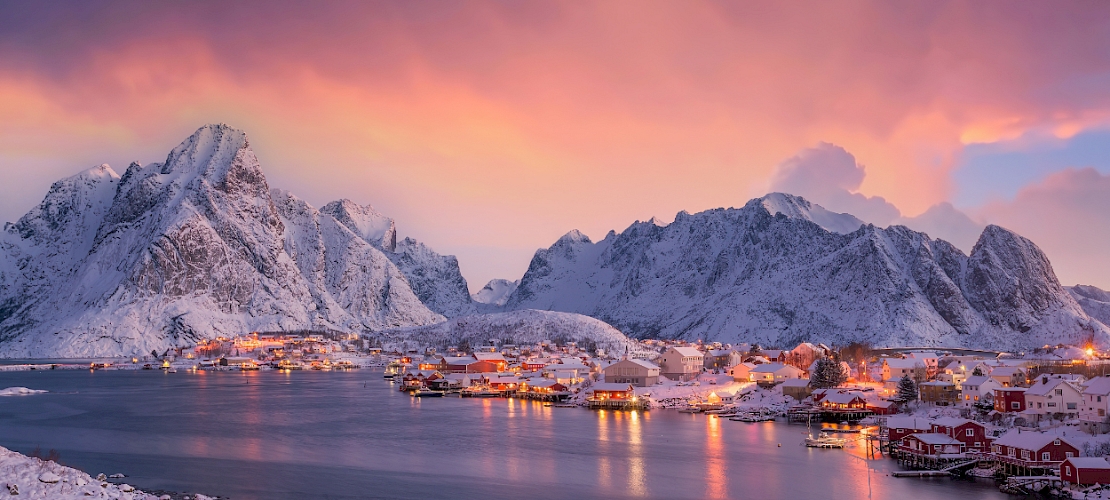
x,y
489,129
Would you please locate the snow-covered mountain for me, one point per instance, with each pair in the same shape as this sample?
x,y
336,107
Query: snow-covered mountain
x,y
191,248
496,292
782,270
1095,301
436,279
519,327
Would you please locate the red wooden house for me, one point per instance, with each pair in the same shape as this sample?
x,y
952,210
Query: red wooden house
x,y
1032,449
929,443
1085,470
1009,399
972,434
900,427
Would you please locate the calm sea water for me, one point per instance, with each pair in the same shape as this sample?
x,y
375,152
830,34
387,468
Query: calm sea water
x,y
352,435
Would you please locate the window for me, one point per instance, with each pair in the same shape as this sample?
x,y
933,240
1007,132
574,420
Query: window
x,y
1045,456
901,431
1038,404
1015,405
1025,454
1067,470
1056,442
969,432
1069,454
978,444
1059,392
1102,412
1052,404
1071,406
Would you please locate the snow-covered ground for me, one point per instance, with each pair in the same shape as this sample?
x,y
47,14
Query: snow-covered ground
x,y
33,478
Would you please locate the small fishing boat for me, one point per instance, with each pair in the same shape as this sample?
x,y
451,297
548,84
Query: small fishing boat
x,y
427,393
824,440
752,418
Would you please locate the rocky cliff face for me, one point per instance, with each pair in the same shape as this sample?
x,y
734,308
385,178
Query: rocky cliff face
x,y
774,275
191,248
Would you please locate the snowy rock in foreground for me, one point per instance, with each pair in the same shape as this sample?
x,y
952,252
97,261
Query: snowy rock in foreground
x,y
19,391
33,478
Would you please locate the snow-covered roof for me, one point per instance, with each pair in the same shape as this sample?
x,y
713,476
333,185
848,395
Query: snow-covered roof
x,y
842,397
934,438
1032,441
976,380
489,356
719,352
922,424
1089,462
903,364
688,351
1040,388
773,368
951,421
1098,386
796,382
771,353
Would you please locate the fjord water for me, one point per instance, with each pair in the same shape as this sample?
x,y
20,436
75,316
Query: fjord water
x,y
352,435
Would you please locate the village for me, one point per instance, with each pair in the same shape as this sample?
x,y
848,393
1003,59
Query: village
x,y
1037,421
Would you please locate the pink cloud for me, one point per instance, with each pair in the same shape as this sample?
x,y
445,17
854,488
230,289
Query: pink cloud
x,y
537,118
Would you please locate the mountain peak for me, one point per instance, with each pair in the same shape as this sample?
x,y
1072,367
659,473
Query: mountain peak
x,y
796,207
211,144
372,226
574,236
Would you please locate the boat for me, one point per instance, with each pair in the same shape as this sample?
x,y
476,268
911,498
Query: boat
x,y
427,393
752,418
690,409
824,440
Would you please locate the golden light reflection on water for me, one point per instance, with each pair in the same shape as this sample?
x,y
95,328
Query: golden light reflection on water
x,y
716,471
637,473
604,468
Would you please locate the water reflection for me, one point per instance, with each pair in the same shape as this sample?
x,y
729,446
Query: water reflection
x,y
637,476
716,478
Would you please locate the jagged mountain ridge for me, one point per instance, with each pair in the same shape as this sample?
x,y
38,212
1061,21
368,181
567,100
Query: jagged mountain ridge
x,y
777,276
1095,301
191,248
496,292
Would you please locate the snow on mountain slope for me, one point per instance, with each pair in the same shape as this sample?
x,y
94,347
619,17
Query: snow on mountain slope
x,y
519,327
796,207
1093,300
182,250
496,292
769,273
436,279
366,222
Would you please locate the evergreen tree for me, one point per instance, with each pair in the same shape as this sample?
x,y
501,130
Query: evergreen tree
x,y
977,372
907,389
827,373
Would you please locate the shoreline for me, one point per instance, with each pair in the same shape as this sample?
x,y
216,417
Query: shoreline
x,y
32,477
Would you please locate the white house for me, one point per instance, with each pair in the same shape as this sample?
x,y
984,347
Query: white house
x,y
772,373
637,372
682,363
976,388
896,368
1052,397
1096,405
